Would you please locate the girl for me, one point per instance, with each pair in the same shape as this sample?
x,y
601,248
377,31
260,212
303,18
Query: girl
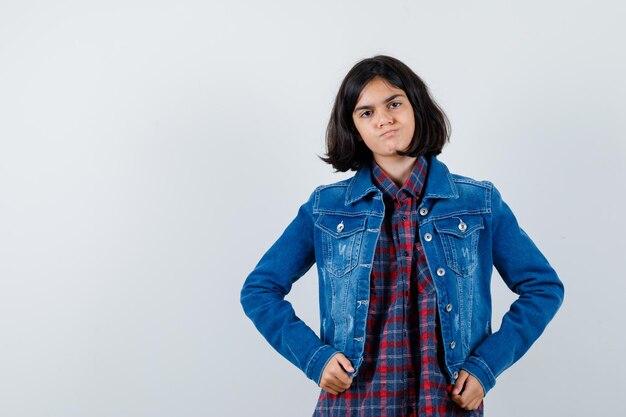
x,y
404,252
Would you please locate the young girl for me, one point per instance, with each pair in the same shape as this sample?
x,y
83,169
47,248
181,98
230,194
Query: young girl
x,y
404,252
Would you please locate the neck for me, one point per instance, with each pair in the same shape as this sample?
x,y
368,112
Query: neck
x,y
398,169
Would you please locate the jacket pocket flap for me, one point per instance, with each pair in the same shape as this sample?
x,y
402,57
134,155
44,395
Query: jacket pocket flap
x,y
341,226
460,226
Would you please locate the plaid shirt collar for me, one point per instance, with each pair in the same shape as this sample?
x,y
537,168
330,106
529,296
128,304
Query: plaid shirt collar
x,y
440,183
413,186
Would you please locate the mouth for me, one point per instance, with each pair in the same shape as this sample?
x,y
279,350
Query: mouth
x,y
389,132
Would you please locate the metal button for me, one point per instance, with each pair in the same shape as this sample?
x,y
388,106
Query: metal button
x,y
462,226
452,344
455,375
449,308
441,272
428,237
340,226
423,211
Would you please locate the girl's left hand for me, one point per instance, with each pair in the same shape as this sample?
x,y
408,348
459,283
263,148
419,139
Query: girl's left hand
x,y
467,392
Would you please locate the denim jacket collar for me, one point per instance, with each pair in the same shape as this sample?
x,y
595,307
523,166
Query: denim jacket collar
x,y
439,183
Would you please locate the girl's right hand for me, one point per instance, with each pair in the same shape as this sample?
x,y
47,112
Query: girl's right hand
x,y
334,376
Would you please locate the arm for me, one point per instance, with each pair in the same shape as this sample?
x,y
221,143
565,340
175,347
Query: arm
x,y
526,272
263,296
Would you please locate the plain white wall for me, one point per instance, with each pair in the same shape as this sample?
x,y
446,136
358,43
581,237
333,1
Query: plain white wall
x,y
151,151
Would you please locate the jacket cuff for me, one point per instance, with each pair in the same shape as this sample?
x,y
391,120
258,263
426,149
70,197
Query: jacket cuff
x,y
318,361
481,371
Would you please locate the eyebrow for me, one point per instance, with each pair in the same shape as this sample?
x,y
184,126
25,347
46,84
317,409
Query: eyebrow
x,y
387,100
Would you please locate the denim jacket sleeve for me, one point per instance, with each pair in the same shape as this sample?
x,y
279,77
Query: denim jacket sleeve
x,y
263,296
526,272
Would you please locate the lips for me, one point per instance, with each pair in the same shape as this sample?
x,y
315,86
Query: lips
x,y
389,132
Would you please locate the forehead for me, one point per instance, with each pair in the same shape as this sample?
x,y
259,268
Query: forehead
x,y
377,89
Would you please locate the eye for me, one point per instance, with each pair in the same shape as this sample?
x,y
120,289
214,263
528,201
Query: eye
x,y
394,105
366,113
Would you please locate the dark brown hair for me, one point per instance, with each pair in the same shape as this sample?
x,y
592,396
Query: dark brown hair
x,y
344,152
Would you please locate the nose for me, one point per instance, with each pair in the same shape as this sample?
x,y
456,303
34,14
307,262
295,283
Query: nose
x,y
384,118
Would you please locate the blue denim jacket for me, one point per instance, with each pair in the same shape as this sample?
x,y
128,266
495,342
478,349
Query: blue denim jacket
x,y
465,228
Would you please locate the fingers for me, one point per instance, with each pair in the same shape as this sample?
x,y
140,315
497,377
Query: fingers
x,y
466,404
460,382
470,392
344,362
339,382
334,385
334,377
474,405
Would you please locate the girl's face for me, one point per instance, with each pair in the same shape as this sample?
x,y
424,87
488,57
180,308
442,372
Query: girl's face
x,y
384,118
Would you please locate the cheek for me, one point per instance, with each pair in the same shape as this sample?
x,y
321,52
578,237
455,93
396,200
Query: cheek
x,y
410,120
412,123
360,128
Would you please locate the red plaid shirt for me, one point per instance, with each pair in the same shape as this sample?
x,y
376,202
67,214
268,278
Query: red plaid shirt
x,y
401,373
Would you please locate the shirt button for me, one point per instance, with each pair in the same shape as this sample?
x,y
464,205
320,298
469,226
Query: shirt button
x,y
441,272
340,226
462,226
452,344
449,308
428,237
423,211
455,375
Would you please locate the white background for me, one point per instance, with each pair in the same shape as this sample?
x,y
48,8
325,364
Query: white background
x,y
151,151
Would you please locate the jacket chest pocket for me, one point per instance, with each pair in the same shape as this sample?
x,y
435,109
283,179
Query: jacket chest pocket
x,y
341,241
459,237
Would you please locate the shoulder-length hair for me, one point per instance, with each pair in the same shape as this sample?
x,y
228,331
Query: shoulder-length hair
x,y
344,152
